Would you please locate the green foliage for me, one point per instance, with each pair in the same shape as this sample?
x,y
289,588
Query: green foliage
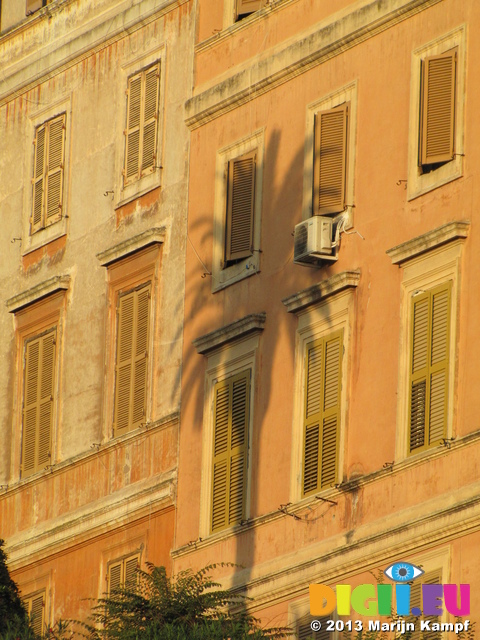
x,y
13,616
190,606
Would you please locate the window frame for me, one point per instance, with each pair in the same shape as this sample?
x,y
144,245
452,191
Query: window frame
x,y
423,272
346,95
223,364
227,272
126,192
126,273
319,318
422,179
122,562
32,240
28,601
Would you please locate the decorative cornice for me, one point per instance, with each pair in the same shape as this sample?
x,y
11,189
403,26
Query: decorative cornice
x,y
252,323
327,40
156,235
36,293
319,292
428,241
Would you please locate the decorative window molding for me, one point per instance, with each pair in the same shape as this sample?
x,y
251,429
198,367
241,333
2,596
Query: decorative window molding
x,y
39,337
325,319
36,293
139,161
231,362
252,323
133,283
426,273
437,158
155,235
326,192
229,267
46,204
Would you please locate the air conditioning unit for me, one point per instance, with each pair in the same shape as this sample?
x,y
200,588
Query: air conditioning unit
x,y
313,241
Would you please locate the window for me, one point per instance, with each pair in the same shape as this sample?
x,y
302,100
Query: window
x,y
325,324
231,353
243,8
429,367
133,273
437,117
35,605
38,402
323,374
430,299
35,5
48,173
133,321
142,124
240,208
123,572
330,160
230,439
237,211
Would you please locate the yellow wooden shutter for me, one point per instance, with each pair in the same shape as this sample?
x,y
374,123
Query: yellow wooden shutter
x,y
230,440
150,119
36,610
416,599
142,124
330,160
429,367
54,170
323,366
33,5
38,403
38,179
134,111
438,108
244,7
132,359
115,576
240,207
304,630
131,565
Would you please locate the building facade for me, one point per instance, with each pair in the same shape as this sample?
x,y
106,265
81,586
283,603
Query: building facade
x,y
93,201
328,394
239,249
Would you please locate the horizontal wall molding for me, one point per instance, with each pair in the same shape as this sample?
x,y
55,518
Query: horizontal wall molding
x,y
428,241
36,293
326,40
252,323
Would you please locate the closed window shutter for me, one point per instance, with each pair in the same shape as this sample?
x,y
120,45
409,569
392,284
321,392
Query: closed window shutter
x,y
249,6
38,178
438,109
35,606
54,173
416,599
304,630
132,359
231,414
34,5
142,124
38,403
131,565
240,207
150,119
429,367
322,412
115,576
330,160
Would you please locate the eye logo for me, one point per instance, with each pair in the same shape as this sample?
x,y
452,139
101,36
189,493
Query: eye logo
x,y
403,572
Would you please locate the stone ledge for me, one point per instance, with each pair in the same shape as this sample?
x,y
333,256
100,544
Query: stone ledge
x,y
320,43
36,293
319,292
252,323
123,249
428,241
